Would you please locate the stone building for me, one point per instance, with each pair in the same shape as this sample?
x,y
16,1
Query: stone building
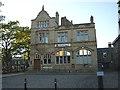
x,y
105,57
65,47
116,44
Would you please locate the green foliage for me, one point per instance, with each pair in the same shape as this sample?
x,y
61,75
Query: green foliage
x,y
15,40
7,38
22,41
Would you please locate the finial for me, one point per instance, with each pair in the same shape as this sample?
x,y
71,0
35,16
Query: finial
x,y
56,12
43,8
91,19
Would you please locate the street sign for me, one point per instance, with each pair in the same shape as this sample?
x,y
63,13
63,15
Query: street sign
x,y
100,73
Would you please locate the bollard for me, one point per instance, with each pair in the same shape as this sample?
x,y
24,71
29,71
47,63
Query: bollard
x,y
55,82
25,84
100,75
100,83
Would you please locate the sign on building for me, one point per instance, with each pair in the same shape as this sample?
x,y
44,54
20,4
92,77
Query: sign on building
x,y
62,45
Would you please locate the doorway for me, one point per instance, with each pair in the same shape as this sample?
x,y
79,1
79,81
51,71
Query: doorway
x,y
37,64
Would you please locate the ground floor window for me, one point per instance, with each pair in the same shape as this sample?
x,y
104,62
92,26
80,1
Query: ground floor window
x,y
62,57
83,56
47,59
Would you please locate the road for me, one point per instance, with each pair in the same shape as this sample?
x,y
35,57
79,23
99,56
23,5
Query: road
x,y
110,80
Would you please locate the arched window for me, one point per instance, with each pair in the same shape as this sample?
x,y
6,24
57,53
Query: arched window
x,y
62,57
47,59
83,56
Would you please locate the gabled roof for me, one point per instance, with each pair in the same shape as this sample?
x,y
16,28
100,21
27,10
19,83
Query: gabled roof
x,y
41,12
116,39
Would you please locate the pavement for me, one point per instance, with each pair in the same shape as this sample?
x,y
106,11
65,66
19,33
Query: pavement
x,y
12,74
57,73
81,80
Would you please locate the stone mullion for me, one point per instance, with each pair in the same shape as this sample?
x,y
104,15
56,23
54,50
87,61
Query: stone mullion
x,y
87,56
83,55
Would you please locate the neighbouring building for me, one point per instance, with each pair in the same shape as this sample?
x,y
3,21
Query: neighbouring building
x,y
105,57
116,44
65,47
19,64
110,57
15,65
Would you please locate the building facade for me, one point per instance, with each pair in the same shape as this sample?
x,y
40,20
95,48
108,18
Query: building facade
x,y
67,47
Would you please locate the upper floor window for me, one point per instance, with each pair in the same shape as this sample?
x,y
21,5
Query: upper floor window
x,y
63,37
82,36
104,54
15,62
19,62
43,24
43,37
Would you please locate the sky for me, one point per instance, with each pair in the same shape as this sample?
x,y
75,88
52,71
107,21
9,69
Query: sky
x,y
105,13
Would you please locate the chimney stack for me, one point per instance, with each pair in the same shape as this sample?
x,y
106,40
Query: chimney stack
x,y
109,44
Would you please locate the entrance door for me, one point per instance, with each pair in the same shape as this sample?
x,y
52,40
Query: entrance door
x,y
37,64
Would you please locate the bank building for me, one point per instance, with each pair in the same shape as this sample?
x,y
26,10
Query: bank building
x,y
67,47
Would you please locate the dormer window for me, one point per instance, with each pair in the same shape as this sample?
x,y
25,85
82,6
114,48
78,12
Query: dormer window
x,y
42,24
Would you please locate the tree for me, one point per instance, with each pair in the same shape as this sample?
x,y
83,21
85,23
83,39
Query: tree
x,y
8,35
22,42
15,41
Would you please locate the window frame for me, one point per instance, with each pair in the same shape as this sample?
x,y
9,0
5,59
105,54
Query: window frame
x,y
82,55
43,37
62,58
81,35
43,24
104,54
47,57
62,37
